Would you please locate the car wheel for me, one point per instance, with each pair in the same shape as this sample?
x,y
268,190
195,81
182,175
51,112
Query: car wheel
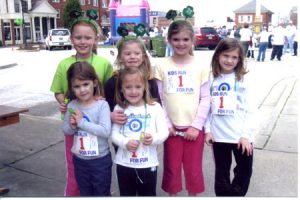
x,y
211,47
70,48
50,48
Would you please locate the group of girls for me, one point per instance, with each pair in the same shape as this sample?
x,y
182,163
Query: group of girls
x,y
177,103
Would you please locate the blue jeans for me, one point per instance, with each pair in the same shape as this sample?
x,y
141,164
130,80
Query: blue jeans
x,y
93,176
262,51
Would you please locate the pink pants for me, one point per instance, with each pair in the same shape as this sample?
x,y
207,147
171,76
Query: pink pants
x,y
178,152
71,185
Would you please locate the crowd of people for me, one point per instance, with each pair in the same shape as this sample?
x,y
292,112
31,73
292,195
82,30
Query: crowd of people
x,y
178,103
280,38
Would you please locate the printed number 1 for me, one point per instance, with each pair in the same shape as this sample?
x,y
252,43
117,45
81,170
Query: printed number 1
x,y
180,81
221,102
81,144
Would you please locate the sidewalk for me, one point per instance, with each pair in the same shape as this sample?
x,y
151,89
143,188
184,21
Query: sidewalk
x,y
33,162
32,151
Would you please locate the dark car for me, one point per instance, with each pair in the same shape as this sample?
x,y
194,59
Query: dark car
x,y
206,37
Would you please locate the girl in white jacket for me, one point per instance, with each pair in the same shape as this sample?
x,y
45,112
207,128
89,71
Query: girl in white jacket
x,y
229,125
138,138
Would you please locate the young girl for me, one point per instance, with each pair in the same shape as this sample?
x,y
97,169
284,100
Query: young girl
x,y
139,137
89,121
229,125
131,54
184,89
84,36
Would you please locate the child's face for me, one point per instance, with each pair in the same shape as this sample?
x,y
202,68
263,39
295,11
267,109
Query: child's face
x,y
133,89
83,90
83,38
132,55
228,60
181,43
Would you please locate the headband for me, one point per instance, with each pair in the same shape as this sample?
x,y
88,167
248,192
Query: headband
x,y
187,12
91,16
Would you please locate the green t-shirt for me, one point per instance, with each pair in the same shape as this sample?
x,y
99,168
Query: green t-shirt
x,y
102,67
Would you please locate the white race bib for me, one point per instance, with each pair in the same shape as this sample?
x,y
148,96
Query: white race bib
x,y
85,144
180,81
224,102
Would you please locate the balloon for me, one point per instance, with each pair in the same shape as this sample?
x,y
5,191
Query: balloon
x,y
19,22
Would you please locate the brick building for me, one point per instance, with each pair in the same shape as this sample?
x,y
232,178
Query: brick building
x,y
42,16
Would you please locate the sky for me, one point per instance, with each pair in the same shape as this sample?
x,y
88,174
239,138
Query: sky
x,y
218,10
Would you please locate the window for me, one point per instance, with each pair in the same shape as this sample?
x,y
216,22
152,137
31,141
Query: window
x,y
17,6
82,2
95,3
27,31
104,3
58,13
7,31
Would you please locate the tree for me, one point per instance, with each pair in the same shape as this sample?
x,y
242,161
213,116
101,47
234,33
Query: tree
x,y
69,6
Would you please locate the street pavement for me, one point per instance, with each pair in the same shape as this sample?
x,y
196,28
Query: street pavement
x,y
32,151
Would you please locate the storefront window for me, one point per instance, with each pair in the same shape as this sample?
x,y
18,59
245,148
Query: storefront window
x,y
7,31
27,31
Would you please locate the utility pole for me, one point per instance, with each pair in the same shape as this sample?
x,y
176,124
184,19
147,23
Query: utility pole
x,y
24,5
258,20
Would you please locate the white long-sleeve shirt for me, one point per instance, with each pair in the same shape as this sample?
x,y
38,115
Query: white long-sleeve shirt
x,y
148,119
241,120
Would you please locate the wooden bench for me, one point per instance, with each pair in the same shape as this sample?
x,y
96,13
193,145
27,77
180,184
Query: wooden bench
x,y
10,115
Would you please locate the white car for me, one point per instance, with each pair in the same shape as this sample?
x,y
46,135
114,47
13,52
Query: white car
x,y
59,37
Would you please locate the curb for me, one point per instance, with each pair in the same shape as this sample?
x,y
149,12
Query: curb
x,y
8,65
265,133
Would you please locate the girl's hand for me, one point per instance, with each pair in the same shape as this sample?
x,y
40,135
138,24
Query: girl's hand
x,y
77,115
172,132
99,98
246,146
73,123
209,139
132,145
191,134
63,107
147,139
118,117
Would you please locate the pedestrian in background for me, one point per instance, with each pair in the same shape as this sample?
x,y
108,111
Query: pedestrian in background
x,y
279,38
263,38
296,44
290,35
84,36
88,120
229,126
245,34
184,89
138,138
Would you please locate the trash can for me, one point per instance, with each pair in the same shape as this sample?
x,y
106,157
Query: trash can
x,y
159,46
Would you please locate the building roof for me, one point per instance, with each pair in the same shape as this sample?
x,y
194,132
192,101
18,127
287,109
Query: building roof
x,y
251,8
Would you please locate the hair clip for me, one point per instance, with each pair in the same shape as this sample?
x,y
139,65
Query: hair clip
x,y
187,12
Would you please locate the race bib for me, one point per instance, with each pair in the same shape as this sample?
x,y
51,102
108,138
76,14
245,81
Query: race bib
x,y
85,144
224,103
180,81
141,156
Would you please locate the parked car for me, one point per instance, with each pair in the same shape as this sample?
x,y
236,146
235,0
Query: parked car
x,y
59,37
206,37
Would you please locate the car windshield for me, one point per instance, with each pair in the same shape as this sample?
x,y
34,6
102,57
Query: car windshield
x,y
208,30
60,32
